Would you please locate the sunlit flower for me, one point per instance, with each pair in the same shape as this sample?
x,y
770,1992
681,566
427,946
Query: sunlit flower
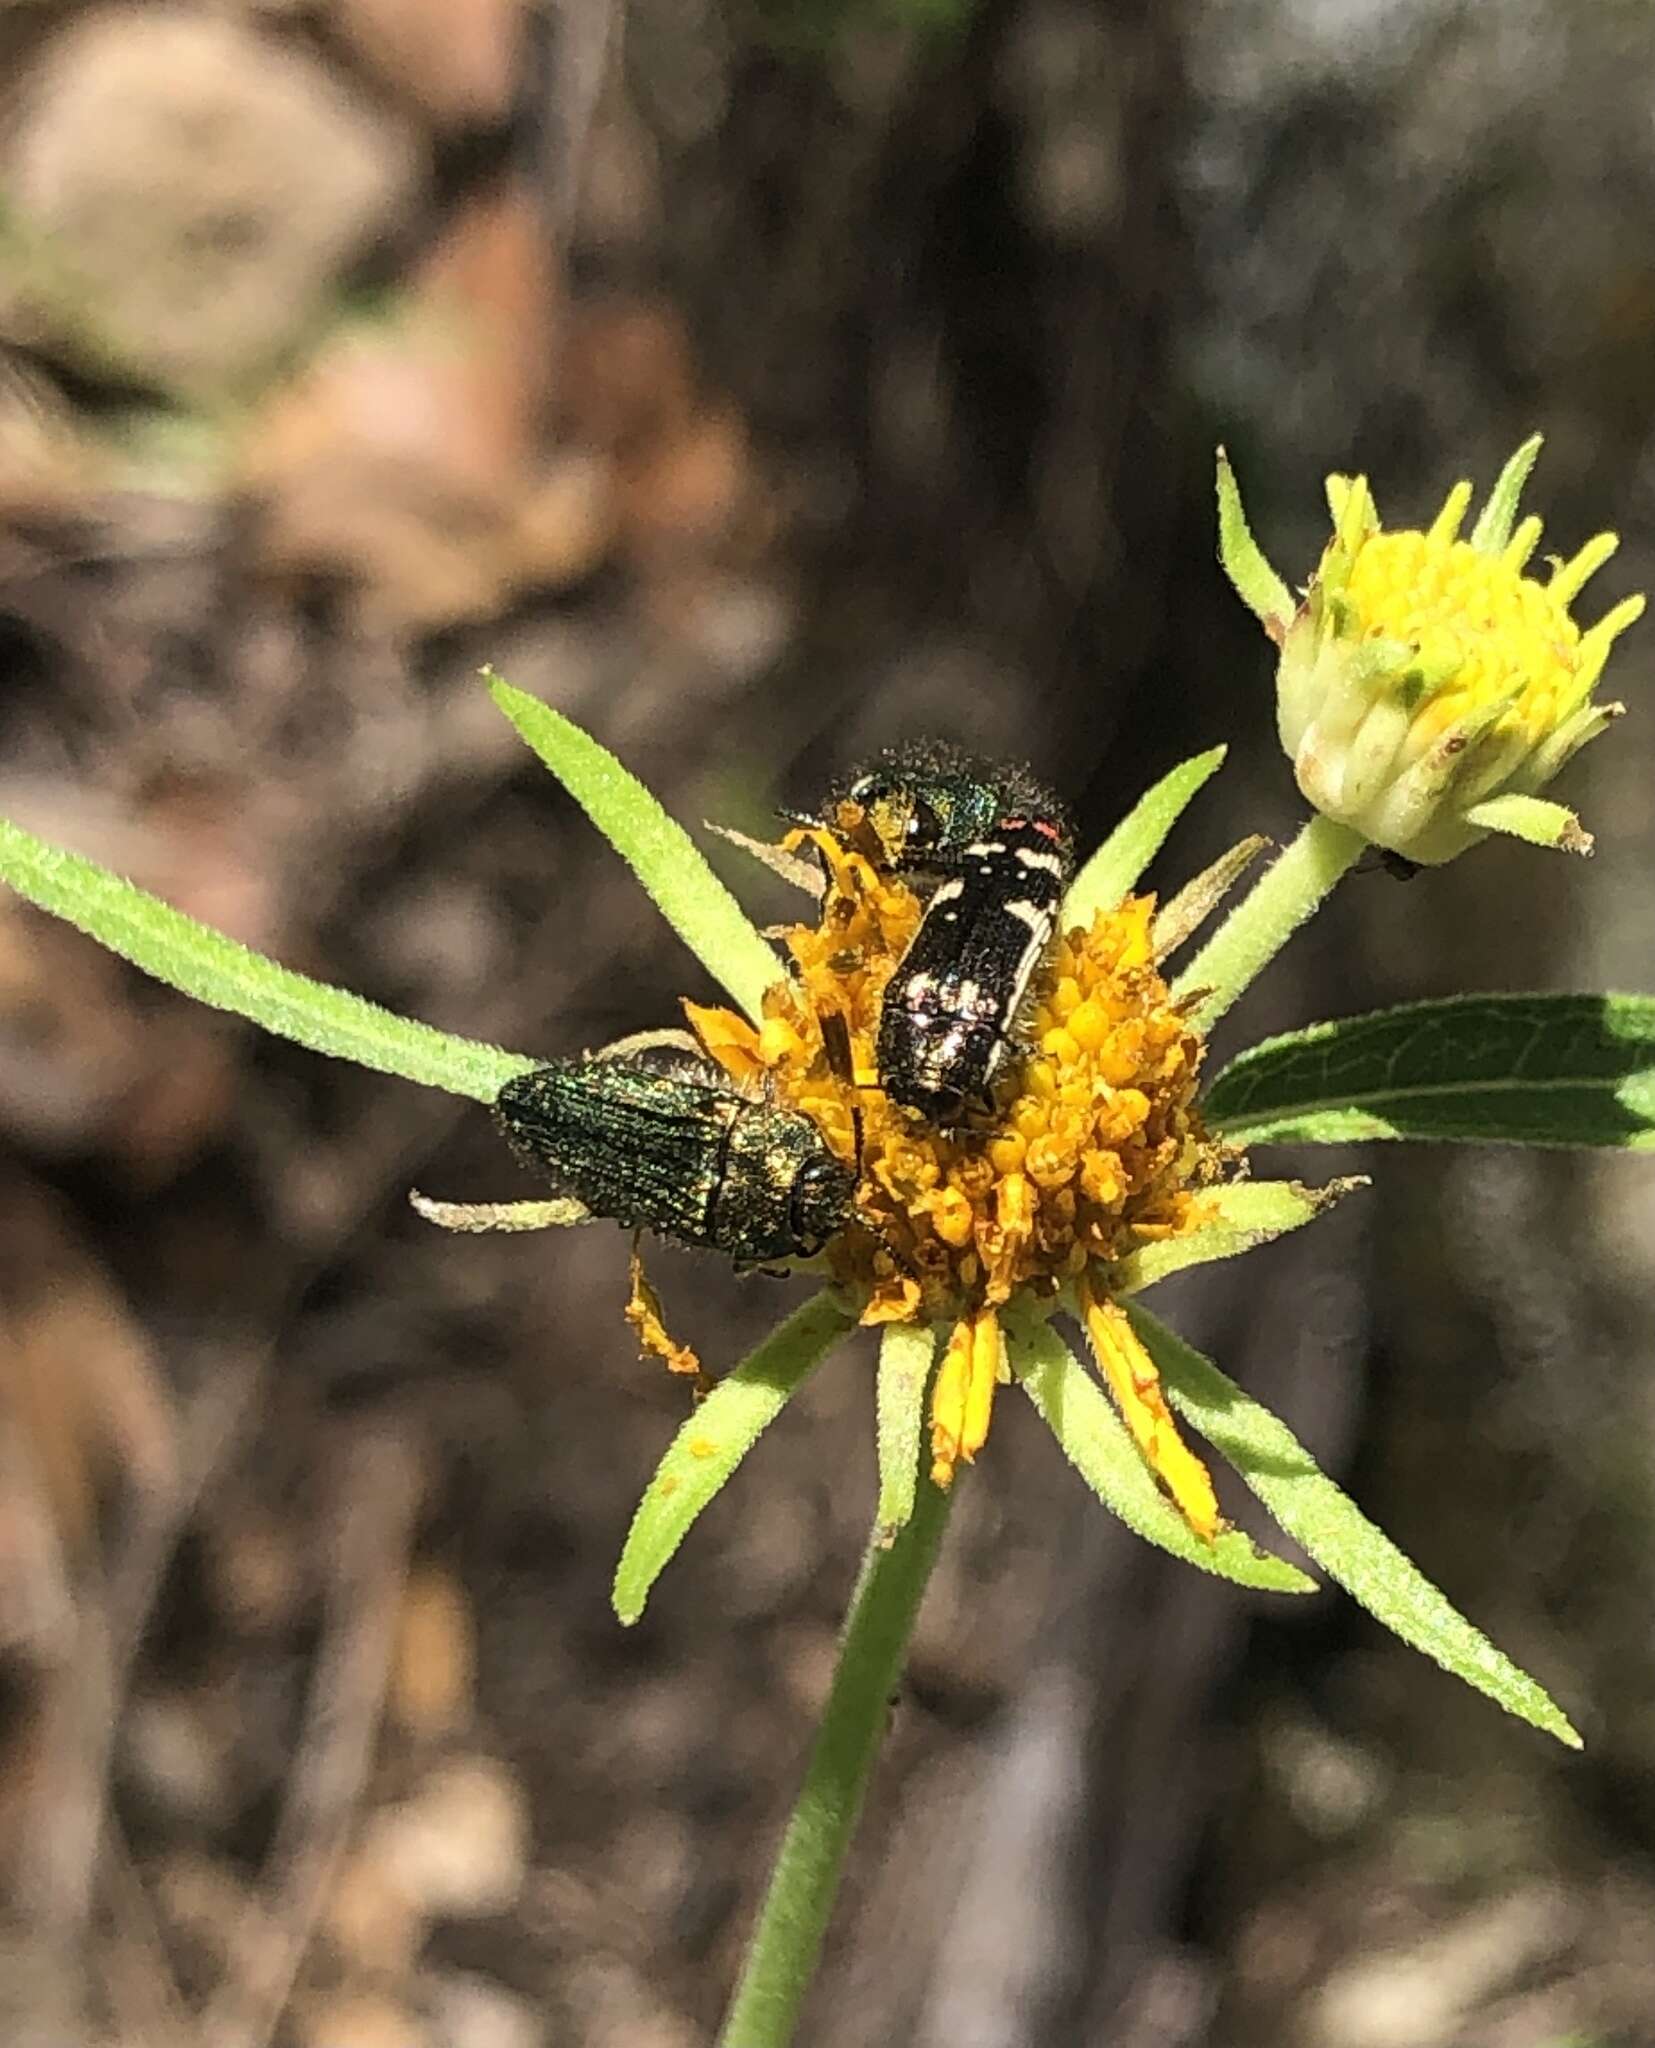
x,y
1093,1151
1091,1176
1428,686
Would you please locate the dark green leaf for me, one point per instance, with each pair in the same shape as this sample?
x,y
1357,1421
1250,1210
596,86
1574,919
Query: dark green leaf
x,y
1517,1069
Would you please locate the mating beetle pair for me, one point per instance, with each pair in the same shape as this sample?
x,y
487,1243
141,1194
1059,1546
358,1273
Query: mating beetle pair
x,y
1000,849
669,1145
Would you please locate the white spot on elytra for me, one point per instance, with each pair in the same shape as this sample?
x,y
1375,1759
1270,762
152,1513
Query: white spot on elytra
x,y
1039,922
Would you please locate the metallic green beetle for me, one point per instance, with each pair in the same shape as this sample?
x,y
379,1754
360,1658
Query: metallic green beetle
x,y
670,1145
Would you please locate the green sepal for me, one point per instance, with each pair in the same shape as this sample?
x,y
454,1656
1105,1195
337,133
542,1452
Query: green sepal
x,y
792,868
666,860
1242,1216
1348,1547
476,1219
1258,586
1381,660
1534,819
715,1439
1575,1070
1183,915
1135,841
226,975
1497,518
1095,1441
907,1352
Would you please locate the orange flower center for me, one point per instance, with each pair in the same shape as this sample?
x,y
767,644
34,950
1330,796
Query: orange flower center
x,y
1093,1146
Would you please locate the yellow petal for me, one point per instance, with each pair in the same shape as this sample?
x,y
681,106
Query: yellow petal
x,y
895,1299
1446,526
728,1039
1522,544
643,1312
846,869
1596,641
1570,577
962,1400
1129,1373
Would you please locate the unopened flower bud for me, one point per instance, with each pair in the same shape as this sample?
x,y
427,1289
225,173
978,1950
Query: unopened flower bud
x,y
1428,688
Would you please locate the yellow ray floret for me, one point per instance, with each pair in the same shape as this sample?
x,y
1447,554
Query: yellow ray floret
x,y
962,1400
1498,638
1129,1373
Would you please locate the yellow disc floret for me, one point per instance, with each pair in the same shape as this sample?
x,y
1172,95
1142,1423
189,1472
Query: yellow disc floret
x,y
1499,637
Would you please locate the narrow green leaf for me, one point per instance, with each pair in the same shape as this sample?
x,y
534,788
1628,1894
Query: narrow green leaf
x,y
1499,515
1258,586
1136,840
715,1439
1348,1547
219,971
1535,819
1245,1214
906,1354
1512,1069
1095,1441
658,850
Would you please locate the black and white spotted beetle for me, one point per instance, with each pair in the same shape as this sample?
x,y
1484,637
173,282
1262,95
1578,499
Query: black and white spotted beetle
x,y
669,1144
1000,848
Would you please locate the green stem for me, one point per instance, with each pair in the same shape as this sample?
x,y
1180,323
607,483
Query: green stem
x,y
1263,922
788,1938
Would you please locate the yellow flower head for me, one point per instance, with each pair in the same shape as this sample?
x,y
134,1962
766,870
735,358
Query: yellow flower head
x,y
1428,686
1093,1149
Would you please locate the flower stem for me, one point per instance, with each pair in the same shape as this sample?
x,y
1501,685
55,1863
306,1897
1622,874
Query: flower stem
x,y
1263,922
788,1938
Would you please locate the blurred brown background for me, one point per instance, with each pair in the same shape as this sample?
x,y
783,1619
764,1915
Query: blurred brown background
x,y
758,382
